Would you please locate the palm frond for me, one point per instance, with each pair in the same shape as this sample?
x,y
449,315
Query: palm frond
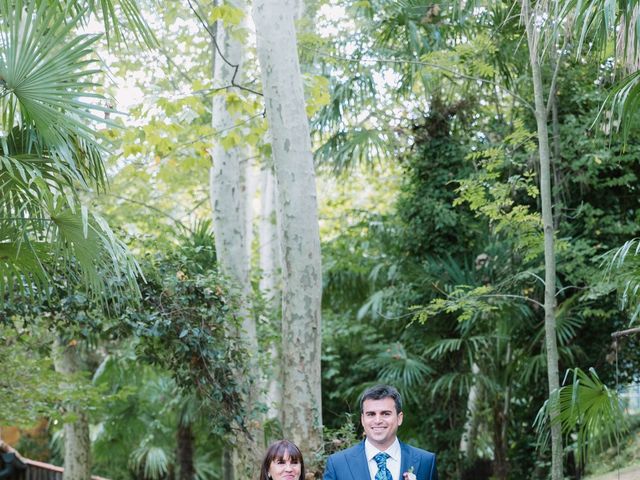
x,y
151,460
22,268
51,150
599,24
93,246
348,97
625,100
396,366
356,146
601,21
588,408
117,15
46,78
454,383
205,467
625,262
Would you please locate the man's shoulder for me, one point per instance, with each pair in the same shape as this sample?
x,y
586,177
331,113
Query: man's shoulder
x,y
416,450
348,451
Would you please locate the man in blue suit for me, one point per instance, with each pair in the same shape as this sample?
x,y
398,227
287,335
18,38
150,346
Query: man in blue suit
x,y
381,456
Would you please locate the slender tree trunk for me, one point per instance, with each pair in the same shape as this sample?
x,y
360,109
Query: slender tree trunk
x,y
501,424
185,445
555,161
470,430
77,444
227,464
231,222
555,59
500,457
297,220
533,39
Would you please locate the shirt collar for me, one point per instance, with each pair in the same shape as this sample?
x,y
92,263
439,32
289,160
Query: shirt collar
x,y
393,450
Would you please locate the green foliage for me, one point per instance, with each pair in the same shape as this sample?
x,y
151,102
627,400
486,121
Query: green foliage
x,y
175,357
136,435
464,250
339,438
502,190
614,459
396,366
150,462
49,150
587,408
120,17
29,385
229,14
623,262
187,326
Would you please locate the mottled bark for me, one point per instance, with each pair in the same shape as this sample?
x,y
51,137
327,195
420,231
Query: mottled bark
x,y
77,444
230,190
270,286
297,220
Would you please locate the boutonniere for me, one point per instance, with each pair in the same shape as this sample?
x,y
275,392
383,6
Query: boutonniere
x,y
409,475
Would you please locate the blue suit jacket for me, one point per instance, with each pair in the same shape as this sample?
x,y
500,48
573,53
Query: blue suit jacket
x,y
351,464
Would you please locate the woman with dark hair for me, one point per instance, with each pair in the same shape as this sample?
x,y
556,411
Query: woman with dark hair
x,y
283,461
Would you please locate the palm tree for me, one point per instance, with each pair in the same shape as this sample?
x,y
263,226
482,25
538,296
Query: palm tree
x,y
587,409
50,149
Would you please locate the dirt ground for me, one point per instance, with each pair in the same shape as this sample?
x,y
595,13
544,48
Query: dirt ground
x,y
628,473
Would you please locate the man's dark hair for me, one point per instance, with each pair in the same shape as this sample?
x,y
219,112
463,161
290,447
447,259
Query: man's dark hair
x,y
379,392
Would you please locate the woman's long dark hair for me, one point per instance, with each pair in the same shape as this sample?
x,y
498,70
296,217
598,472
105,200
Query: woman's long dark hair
x,y
277,451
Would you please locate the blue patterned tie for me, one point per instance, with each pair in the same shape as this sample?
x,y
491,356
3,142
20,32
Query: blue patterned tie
x,y
383,471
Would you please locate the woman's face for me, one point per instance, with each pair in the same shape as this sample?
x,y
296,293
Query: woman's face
x,y
285,468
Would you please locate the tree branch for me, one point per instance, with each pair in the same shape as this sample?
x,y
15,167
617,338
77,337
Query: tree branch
x,y
235,66
150,207
508,295
622,333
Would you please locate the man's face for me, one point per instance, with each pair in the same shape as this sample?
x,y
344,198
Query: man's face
x,y
380,421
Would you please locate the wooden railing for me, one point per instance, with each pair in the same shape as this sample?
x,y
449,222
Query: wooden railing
x,y
13,466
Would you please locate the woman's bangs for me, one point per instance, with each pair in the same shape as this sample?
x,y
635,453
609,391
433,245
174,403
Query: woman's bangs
x,y
287,449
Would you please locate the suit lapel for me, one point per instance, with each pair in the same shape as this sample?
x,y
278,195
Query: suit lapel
x,y
358,463
407,461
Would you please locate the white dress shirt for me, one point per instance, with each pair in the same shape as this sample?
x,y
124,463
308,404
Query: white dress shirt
x,y
393,462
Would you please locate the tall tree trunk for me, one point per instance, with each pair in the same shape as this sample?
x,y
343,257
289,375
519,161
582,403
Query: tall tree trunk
x,y
227,464
297,221
231,222
470,430
500,457
555,160
533,40
500,427
77,444
251,175
270,285
185,444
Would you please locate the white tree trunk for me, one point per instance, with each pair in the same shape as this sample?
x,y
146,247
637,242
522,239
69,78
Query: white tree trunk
x,y
468,439
231,205
271,285
77,444
553,375
228,174
297,220
251,188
